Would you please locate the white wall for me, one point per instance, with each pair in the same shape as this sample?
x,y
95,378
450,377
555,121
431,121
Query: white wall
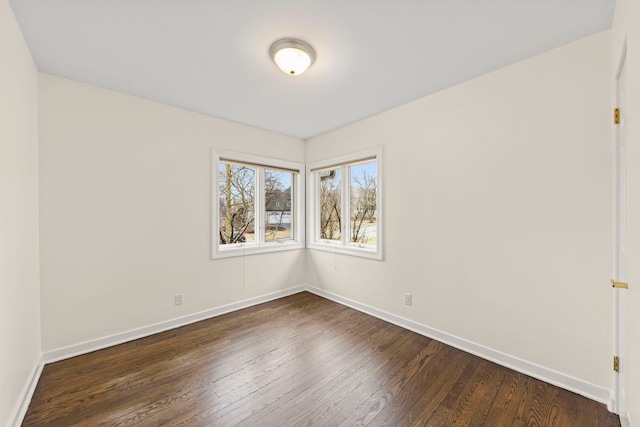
x,y
626,26
126,205
19,288
498,197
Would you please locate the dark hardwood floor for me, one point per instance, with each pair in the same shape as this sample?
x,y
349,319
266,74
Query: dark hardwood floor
x,y
297,361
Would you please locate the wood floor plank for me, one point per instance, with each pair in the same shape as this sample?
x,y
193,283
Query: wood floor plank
x,y
456,391
507,405
369,394
435,394
384,358
300,360
474,407
397,390
301,396
414,389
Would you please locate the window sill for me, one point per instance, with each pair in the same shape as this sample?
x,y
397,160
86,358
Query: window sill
x,y
362,252
249,249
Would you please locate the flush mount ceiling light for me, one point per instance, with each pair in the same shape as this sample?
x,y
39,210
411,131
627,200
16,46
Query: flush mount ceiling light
x,y
293,56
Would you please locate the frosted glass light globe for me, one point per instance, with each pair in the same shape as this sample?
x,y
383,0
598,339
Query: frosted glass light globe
x,y
292,61
292,56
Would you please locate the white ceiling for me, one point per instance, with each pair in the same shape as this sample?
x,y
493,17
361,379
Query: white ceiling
x,y
211,56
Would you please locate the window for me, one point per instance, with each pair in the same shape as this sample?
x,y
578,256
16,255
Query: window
x,y
344,200
257,205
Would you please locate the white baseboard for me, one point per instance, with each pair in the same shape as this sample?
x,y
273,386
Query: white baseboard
x,y
576,385
134,334
29,388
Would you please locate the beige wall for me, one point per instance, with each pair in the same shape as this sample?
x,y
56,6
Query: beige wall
x,y
626,26
498,200
126,207
19,301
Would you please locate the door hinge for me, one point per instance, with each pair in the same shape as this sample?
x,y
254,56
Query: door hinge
x,y
616,116
620,285
616,363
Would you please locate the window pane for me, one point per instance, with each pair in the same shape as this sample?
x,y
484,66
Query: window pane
x,y
278,205
330,195
363,221
237,203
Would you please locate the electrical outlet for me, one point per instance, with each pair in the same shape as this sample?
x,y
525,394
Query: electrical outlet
x,y
407,299
178,299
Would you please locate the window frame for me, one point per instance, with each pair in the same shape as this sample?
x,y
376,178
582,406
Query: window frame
x,y
344,245
260,246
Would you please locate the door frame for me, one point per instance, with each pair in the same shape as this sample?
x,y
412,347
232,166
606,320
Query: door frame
x,y
620,320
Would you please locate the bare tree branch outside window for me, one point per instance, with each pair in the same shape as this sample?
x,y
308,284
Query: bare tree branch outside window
x,y
363,221
330,204
237,191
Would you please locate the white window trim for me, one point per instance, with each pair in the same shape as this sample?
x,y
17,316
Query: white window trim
x,y
343,247
298,240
